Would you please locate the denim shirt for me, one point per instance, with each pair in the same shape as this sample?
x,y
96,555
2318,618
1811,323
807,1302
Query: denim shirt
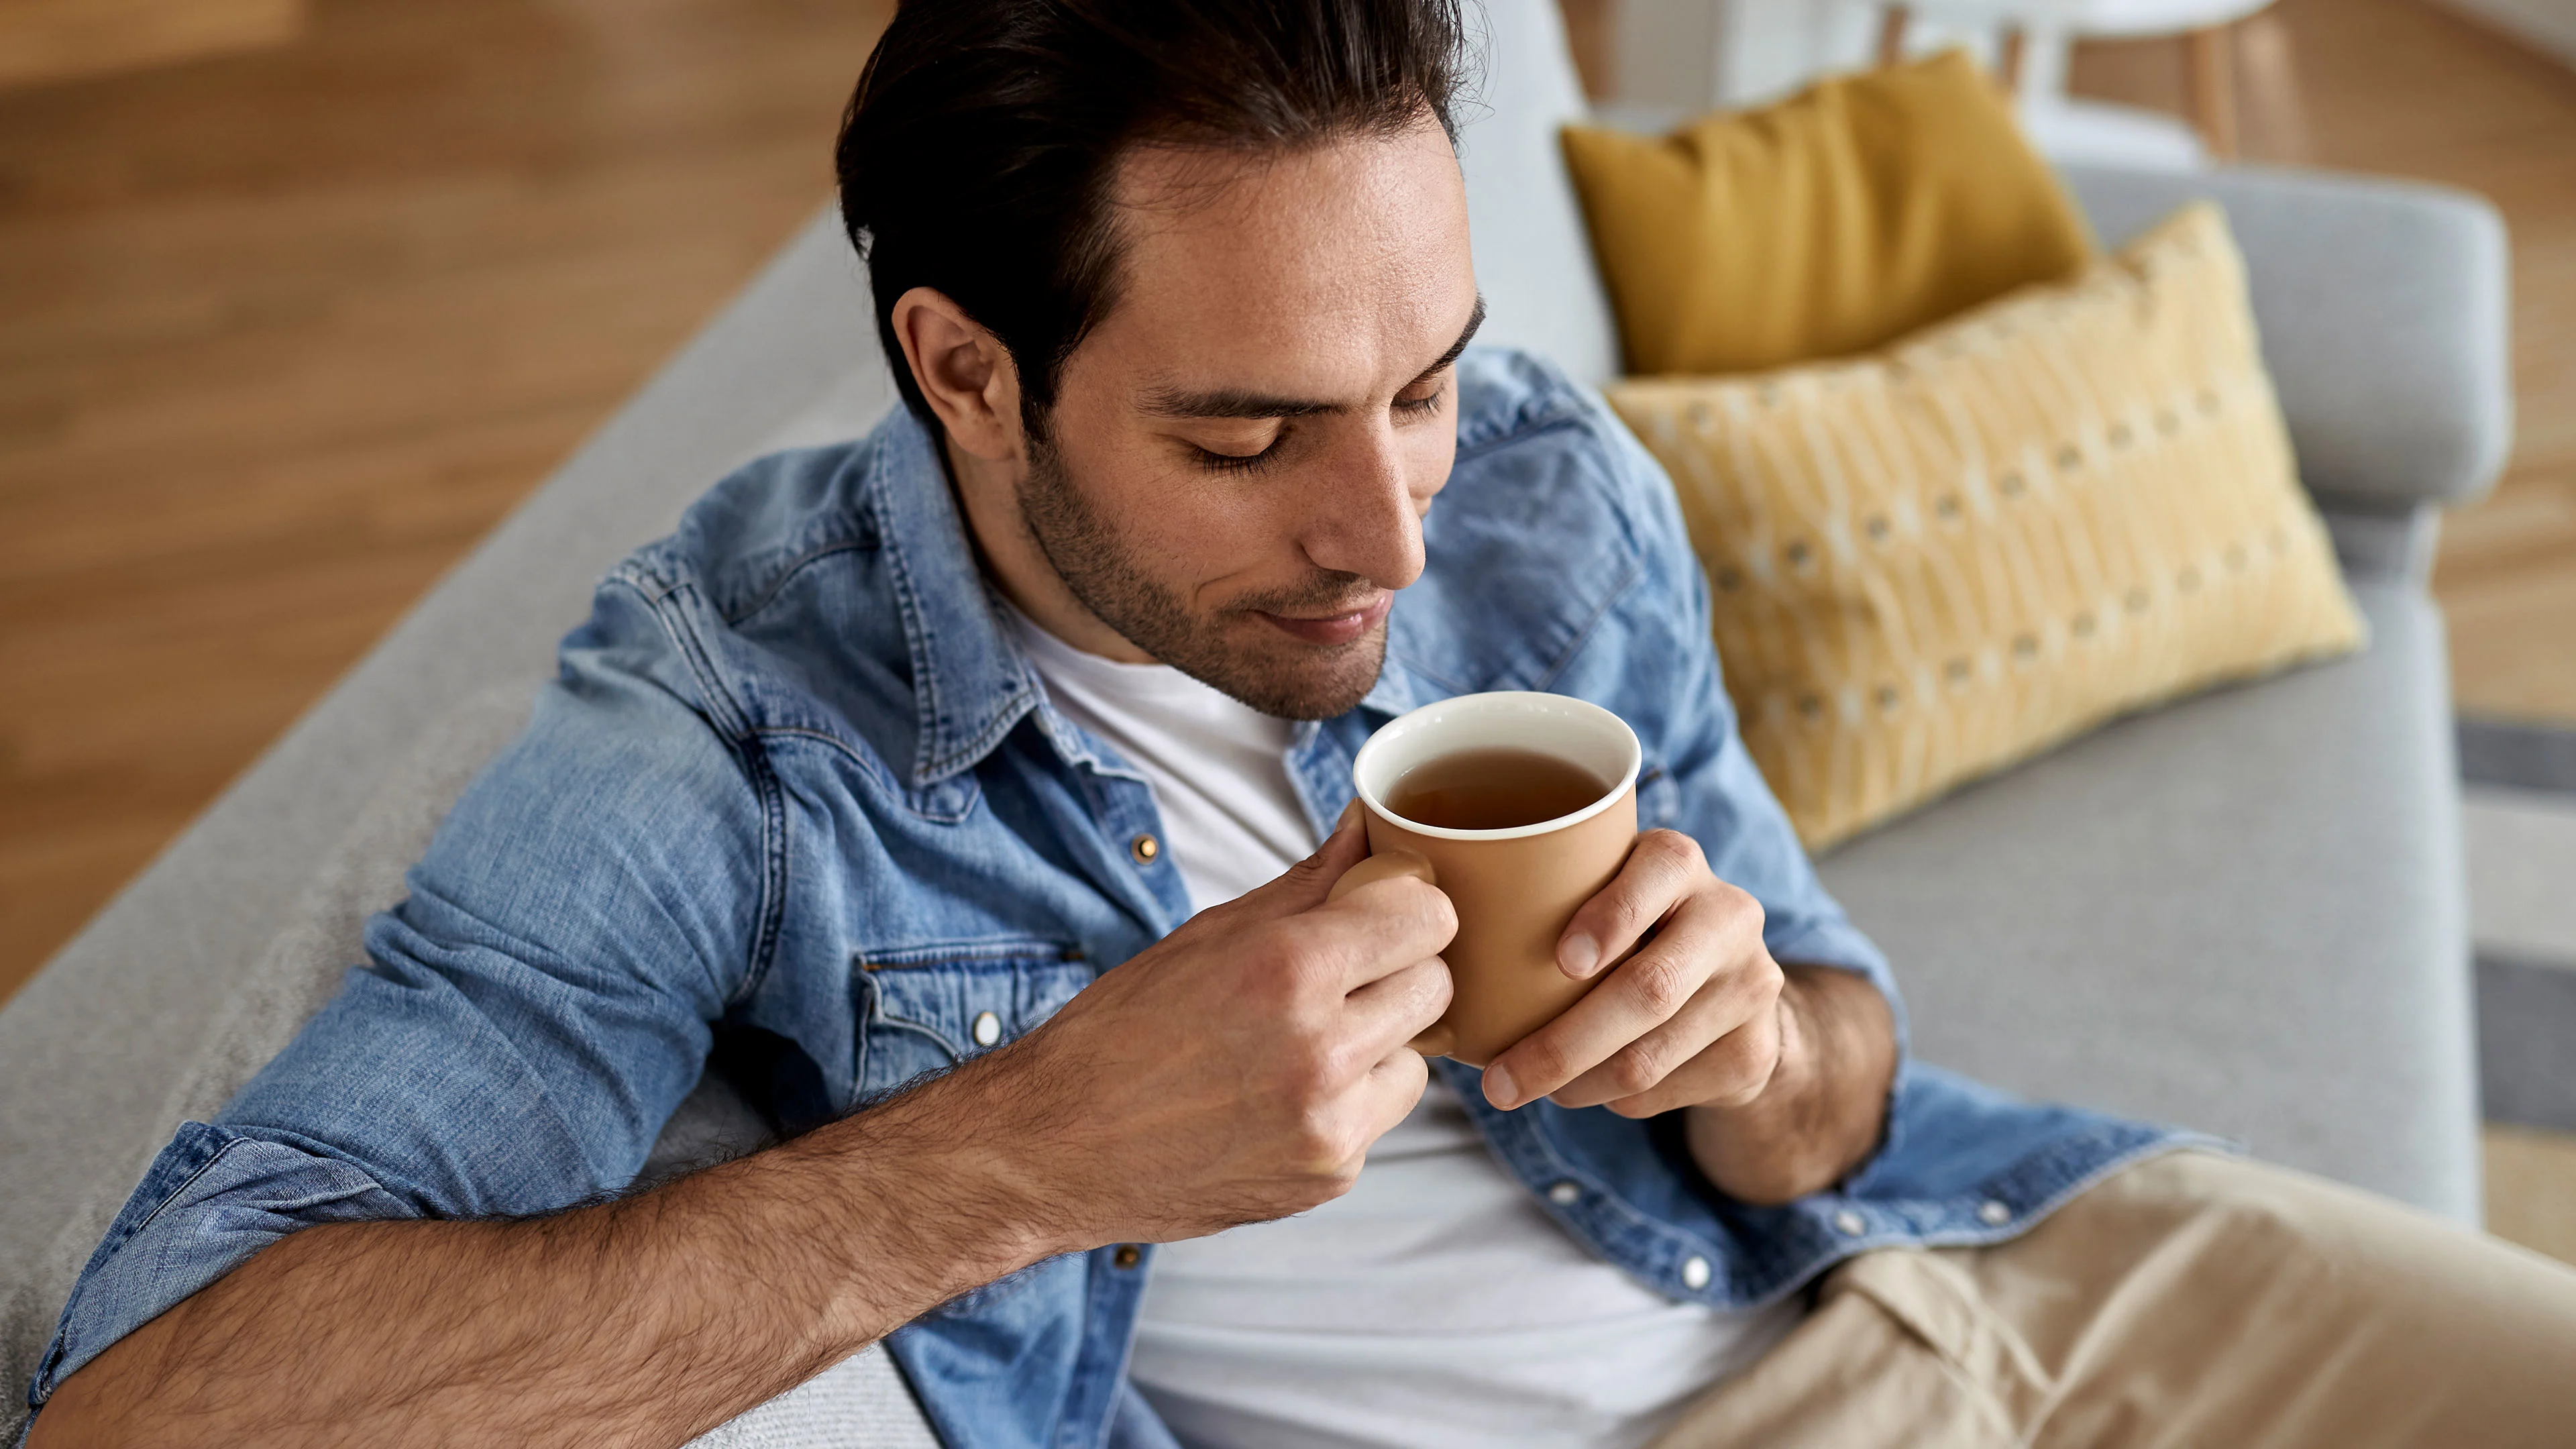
x,y
795,806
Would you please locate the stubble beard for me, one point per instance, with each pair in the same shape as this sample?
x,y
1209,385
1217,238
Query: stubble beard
x,y
1278,675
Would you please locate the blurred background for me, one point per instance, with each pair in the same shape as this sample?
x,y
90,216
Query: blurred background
x,y
299,297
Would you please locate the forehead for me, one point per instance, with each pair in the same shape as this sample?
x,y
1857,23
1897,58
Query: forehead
x,y
1324,271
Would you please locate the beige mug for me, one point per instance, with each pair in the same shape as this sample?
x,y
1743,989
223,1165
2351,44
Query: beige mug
x,y
1517,888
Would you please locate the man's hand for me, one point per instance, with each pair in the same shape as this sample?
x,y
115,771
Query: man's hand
x,y
1237,1070
1785,1073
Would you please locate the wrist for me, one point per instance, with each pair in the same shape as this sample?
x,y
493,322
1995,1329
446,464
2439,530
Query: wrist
x,y
940,1188
1821,1113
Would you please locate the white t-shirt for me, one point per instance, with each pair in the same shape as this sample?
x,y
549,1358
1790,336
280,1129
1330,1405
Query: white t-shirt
x,y
1435,1303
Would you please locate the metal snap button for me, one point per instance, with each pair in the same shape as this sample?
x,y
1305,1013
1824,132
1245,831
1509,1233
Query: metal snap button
x,y
988,1028
1850,1224
1127,1256
1695,1273
1145,849
1994,1214
1564,1194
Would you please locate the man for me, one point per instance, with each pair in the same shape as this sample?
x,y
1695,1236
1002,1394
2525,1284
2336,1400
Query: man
x,y
969,794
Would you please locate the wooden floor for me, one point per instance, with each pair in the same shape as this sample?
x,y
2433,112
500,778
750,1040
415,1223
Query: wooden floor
x,y
282,335
285,333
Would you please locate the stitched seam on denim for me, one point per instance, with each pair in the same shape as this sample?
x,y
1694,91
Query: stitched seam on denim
x,y
873,766
54,1347
1433,675
927,714
983,741
1583,636
770,922
987,950
786,576
2076,1186
1559,1166
1564,412
230,1142
632,572
773,873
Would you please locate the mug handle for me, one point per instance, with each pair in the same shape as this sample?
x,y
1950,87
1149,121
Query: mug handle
x,y
1439,1039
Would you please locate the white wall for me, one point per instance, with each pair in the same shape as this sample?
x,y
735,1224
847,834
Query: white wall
x,y
2549,25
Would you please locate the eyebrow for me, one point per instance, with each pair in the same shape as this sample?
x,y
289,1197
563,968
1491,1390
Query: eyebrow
x,y
1228,402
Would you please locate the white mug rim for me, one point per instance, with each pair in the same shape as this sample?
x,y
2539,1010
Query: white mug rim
x,y
1397,730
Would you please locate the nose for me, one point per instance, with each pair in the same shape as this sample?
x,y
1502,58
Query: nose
x,y
1364,520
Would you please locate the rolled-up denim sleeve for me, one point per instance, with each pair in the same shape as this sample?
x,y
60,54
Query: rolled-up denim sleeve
x,y
1673,693
525,1021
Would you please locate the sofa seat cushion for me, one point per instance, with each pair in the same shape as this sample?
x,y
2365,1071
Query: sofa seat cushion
x,y
2241,914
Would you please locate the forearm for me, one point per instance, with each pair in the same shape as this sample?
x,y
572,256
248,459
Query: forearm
x,y
641,1321
1826,1104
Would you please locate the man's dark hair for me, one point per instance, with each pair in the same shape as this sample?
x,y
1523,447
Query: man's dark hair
x,y
979,149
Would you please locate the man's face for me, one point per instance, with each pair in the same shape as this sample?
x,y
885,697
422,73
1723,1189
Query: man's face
x,y
1236,469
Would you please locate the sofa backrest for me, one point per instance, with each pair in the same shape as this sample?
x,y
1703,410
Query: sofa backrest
x,y
1533,257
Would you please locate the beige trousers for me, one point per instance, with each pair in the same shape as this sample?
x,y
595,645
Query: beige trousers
x,y
2191,1299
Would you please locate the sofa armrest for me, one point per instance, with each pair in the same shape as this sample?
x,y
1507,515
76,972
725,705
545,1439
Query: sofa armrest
x,y
2383,311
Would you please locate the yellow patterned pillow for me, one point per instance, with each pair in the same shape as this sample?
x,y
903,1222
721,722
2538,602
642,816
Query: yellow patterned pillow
x,y
2069,503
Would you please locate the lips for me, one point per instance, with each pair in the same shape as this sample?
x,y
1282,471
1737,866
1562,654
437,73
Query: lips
x,y
1333,629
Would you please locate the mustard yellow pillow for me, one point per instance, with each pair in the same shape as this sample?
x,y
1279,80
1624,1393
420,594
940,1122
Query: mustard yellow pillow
x,y
2070,503
1833,222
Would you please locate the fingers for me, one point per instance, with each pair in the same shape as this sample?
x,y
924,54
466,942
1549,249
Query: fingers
x,y
1302,886
1381,928
1712,946
1397,1007
1392,1089
1712,1053
1663,868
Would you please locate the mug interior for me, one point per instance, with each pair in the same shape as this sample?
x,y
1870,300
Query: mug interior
x,y
1574,730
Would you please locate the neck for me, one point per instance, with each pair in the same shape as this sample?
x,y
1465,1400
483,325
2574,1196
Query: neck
x,y
988,493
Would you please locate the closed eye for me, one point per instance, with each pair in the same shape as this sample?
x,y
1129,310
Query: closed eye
x,y
1216,462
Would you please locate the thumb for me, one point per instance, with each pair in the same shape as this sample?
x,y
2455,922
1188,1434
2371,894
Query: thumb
x,y
1302,886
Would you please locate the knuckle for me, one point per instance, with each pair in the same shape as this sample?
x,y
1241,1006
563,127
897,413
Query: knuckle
x,y
1659,983
1674,848
1743,911
1434,910
1637,1068
1315,1141
1540,1059
1436,986
1743,1068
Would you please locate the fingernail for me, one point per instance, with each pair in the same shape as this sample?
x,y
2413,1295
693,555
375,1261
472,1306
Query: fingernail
x,y
1499,1089
1350,813
1579,955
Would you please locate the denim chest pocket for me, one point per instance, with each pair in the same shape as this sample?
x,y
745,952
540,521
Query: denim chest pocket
x,y
924,1008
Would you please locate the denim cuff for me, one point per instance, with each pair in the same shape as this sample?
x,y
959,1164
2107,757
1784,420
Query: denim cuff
x,y
208,1202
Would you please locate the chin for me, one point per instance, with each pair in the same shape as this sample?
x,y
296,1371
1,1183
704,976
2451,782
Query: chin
x,y
1291,680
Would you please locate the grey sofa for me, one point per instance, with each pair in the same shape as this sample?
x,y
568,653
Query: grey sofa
x,y
2243,913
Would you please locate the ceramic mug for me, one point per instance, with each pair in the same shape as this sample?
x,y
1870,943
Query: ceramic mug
x,y
1515,889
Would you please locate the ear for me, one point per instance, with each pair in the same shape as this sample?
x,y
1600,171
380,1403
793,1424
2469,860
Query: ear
x,y
963,371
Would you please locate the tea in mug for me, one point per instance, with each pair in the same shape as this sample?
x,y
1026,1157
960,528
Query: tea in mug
x,y
1493,789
